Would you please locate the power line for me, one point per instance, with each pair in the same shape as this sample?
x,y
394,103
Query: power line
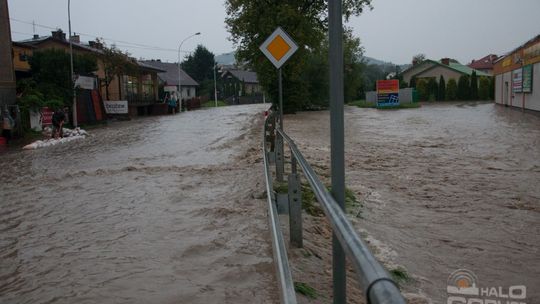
x,y
126,44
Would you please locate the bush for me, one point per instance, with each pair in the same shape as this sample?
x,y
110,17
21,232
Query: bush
x,y
433,89
442,89
483,90
464,87
451,90
423,89
473,93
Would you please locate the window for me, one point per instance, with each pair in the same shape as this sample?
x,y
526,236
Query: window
x,y
131,87
147,87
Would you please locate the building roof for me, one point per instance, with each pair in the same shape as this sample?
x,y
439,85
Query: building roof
x,y
243,75
38,40
485,63
456,66
170,74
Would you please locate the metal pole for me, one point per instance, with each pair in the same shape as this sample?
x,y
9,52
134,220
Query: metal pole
x,y
71,62
179,73
337,139
280,84
180,78
215,85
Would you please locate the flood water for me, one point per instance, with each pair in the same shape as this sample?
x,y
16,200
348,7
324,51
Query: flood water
x,y
444,187
152,210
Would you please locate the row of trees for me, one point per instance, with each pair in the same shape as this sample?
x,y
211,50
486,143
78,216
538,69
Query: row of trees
x,y
466,88
305,76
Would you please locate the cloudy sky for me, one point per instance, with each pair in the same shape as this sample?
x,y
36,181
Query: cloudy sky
x,y
394,30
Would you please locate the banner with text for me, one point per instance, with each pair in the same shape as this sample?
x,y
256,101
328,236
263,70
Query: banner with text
x,y
116,106
387,93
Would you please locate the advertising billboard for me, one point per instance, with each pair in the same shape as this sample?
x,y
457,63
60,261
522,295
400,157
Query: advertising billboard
x,y
387,93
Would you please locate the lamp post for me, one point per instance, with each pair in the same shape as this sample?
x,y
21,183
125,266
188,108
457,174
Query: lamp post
x,y
71,62
179,70
215,84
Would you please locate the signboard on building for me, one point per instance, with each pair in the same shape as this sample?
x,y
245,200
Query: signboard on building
x,y
527,78
87,83
517,81
116,106
387,93
46,116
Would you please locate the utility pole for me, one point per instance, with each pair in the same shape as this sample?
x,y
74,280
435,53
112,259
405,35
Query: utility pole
x,y
71,62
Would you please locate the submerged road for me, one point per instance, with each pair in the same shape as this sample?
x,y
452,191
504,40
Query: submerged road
x,y
444,187
154,210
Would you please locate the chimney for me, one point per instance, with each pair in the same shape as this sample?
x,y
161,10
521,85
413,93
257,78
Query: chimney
x,y
58,34
36,37
98,45
445,61
75,38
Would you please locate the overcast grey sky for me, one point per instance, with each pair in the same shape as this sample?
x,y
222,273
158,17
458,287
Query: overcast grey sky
x,y
394,31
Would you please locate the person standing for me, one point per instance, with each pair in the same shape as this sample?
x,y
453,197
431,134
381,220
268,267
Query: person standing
x,y
172,103
58,119
7,125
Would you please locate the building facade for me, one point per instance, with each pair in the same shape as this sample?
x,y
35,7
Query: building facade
x,y
7,74
517,77
446,67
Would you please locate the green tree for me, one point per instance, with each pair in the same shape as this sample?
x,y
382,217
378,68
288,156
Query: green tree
x,y
464,87
483,89
115,64
51,72
251,22
433,89
473,93
442,89
451,89
199,66
422,87
418,59
491,88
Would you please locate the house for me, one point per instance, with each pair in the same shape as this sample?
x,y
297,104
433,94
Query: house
x,y
169,78
7,76
240,86
21,55
517,76
446,67
484,64
139,89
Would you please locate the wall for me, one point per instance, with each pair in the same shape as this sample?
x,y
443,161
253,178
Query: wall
x,y
18,54
407,74
438,71
7,74
530,101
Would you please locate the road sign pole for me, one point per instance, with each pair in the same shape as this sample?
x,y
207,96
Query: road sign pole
x,y
280,86
337,139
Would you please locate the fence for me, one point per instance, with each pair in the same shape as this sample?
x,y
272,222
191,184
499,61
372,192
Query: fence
x,y
376,284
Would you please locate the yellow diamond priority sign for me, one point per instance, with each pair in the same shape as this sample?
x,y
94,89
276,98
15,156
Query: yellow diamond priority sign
x,y
278,47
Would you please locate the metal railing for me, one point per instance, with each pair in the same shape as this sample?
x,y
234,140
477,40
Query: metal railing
x,y
377,285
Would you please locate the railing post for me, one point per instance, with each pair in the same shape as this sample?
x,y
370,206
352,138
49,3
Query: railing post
x,y
280,163
295,206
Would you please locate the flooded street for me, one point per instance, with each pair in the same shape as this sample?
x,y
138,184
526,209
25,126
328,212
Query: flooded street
x,y
444,187
154,210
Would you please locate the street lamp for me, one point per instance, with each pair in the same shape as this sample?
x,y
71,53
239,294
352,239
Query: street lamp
x,y
179,70
215,84
71,62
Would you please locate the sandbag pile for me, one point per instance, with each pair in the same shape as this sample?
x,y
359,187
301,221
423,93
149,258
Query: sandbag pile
x,y
69,135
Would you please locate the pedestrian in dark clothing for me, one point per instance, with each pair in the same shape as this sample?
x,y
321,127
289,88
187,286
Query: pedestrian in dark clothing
x,y
58,119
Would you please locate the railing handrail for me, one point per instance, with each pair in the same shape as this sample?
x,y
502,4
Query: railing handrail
x,y
286,285
376,283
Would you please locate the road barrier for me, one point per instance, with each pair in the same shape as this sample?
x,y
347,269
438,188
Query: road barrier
x,y
377,285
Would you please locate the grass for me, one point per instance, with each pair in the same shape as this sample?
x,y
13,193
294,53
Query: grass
x,y
312,207
305,289
212,104
400,275
365,104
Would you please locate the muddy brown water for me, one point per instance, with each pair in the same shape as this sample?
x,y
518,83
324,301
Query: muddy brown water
x,y
153,210
444,187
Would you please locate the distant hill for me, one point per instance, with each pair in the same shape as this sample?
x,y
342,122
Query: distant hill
x,y
226,58
371,60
